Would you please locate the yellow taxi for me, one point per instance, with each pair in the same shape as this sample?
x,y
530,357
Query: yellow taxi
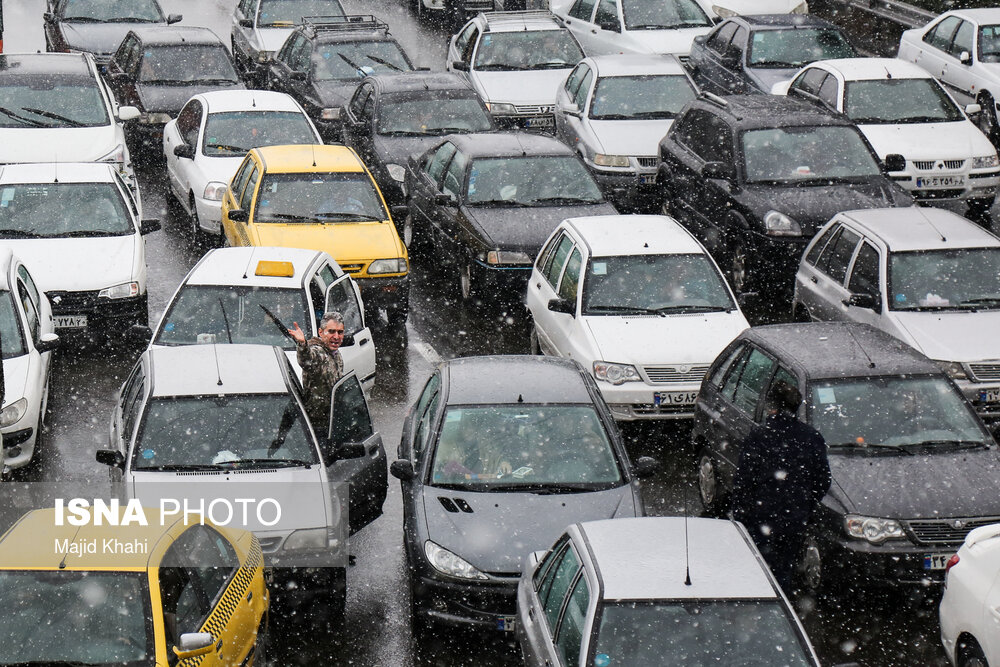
x,y
321,198
173,595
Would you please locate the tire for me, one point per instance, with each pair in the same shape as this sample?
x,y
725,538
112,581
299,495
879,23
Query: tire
x,y
536,349
708,485
970,654
810,570
194,225
466,281
414,241
739,268
988,118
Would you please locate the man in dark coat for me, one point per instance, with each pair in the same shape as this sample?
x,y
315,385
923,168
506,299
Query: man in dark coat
x,y
322,366
782,476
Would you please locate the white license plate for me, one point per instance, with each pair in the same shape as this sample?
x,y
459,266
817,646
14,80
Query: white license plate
x,y
648,179
539,122
936,561
990,396
932,182
506,623
674,397
69,321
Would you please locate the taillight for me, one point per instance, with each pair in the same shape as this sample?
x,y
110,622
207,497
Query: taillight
x,y
952,562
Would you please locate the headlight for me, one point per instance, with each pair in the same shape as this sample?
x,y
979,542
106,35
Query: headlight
x,y
615,373
308,538
801,9
117,154
507,257
985,162
500,107
953,369
779,224
264,56
396,172
873,529
13,412
722,12
214,191
330,113
122,291
154,118
602,160
395,265
445,561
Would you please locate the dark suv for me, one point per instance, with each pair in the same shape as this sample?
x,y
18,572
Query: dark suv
x,y
755,176
914,469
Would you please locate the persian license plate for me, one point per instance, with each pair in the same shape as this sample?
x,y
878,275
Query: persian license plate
x,y
936,561
544,121
69,321
940,182
674,397
647,179
990,396
505,623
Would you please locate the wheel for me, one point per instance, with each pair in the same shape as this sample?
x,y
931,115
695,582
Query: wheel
x,y
466,287
970,654
415,242
739,268
708,485
811,569
533,341
988,118
194,225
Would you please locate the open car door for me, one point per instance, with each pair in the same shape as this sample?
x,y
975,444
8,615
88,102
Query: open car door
x,y
343,296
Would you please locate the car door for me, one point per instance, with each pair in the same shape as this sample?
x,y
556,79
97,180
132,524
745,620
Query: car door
x,y
241,229
122,69
553,590
933,54
454,232
567,114
606,32
128,409
181,172
580,21
419,429
244,16
707,62
543,288
864,281
231,198
45,324
732,75
426,182
566,335
958,72
359,126
343,296
807,278
831,273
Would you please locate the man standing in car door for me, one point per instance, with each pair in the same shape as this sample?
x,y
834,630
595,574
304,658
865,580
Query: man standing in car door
x,y
781,478
322,366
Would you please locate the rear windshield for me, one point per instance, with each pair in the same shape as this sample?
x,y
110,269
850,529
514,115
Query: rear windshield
x,y
188,63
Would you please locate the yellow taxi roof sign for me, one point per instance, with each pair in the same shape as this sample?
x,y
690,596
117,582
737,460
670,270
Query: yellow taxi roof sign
x,y
277,269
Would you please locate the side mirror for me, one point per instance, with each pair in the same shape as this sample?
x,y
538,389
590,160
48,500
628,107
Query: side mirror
x,y
645,466
297,75
719,171
965,57
149,225
731,59
47,342
49,17
350,450
402,470
111,457
895,162
140,334
238,215
185,151
571,111
863,300
194,644
174,18
348,340
444,199
609,26
973,109
246,23
700,39
560,305
128,113
460,66
400,211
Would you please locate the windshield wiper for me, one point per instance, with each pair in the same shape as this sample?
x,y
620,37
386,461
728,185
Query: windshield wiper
x,y
955,444
454,130
292,217
871,445
655,115
84,19
270,463
499,203
213,81
354,217
15,116
982,301
622,309
500,67
183,467
556,201
383,62
227,147
129,19
690,308
407,133
552,64
350,62
21,234
774,63
85,233
552,489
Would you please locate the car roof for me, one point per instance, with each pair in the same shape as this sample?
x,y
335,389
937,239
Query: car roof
x,y
17,64
57,172
419,81
863,69
306,158
977,14
770,111
163,35
782,21
648,558
624,64
611,235
508,144
827,350
540,19
197,370
349,27
218,101
514,379
240,266
919,228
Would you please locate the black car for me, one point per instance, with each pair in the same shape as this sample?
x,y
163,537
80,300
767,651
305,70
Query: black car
x,y
914,469
393,116
98,27
487,203
755,176
749,54
498,455
158,69
324,59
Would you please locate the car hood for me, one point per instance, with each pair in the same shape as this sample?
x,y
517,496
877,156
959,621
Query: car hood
x,y
170,99
59,144
953,336
765,77
97,38
928,141
537,87
504,527
526,229
626,339
813,205
219,169
15,378
397,150
335,93
347,242
754,7
630,137
955,484
272,39
77,263
676,41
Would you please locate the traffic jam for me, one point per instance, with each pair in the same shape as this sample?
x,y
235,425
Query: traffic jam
x,y
452,332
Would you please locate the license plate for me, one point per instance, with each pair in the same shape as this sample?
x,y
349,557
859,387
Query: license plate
x,y
990,396
674,397
936,561
505,623
647,179
941,181
69,321
539,122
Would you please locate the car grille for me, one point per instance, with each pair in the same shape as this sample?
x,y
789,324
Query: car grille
x,y
665,374
535,109
927,165
353,268
646,161
650,410
985,372
69,302
947,531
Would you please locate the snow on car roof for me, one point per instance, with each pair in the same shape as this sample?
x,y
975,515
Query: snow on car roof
x,y
219,101
624,64
614,235
238,266
63,172
920,228
214,370
862,69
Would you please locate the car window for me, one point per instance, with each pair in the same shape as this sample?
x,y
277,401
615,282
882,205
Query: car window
x,y
640,96
531,180
555,267
132,403
187,63
247,198
455,174
47,210
808,82
732,379
569,635
553,590
29,282
660,15
719,40
462,41
837,256
782,374
358,101
342,299
570,282
989,43
720,371
367,111
583,90
864,273
354,60
544,572
717,144
755,374
240,179
583,10
607,16
828,91
739,41
665,284
11,340
945,279
466,54
940,35
350,419
527,50
30,311
213,558
324,196
189,122
821,242
795,47
424,413
575,77
788,154
963,39
439,160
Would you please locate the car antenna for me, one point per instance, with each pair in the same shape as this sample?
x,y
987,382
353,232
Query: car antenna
x,y
520,399
229,333
253,101
931,223
871,364
62,563
888,74
687,552
314,154
218,371
246,269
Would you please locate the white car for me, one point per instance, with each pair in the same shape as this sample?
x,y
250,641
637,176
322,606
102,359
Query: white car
x,y
639,303
638,26
961,48
615,110
27,338
220,299
212,134
969,612
727,8
77,228
900,108
515,61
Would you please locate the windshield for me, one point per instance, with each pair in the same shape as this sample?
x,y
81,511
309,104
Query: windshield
x,y
50,101
661,15
957,279
899,101
724,633
186,63
892,411
356,60
545,180
797,154
62,210
259,430
323,197
67,617
989,43
520,446
11,337
662,284
286,13
527,50
200,314
640,97
236,132
432,115
796,47
112,11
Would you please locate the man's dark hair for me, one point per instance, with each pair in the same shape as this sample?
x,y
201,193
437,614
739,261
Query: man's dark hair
x,y
784,397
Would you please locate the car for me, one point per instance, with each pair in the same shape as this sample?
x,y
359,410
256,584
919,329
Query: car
x,y
634,26
753,177
605,290
630,591
322,62
967,610
749,54
212,133
515,61
157,592
492,470
157,70
924,275
260,27
321,198
74,26
457,12
902,109
886,412
959,48
307,486
77,229
221,300
485,203
392,116
614,110
62,111
724,9
28,338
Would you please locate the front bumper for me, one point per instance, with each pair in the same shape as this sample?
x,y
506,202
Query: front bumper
x,y
480,605
505,282
101,313
633,401
390,293
19,440
775,258
898,564
978,392
209,215
535,119
627,187
934,180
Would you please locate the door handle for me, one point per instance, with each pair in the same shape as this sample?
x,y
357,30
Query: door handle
x,y
531,613
813,279
362,342
592,32
538,286
995,611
